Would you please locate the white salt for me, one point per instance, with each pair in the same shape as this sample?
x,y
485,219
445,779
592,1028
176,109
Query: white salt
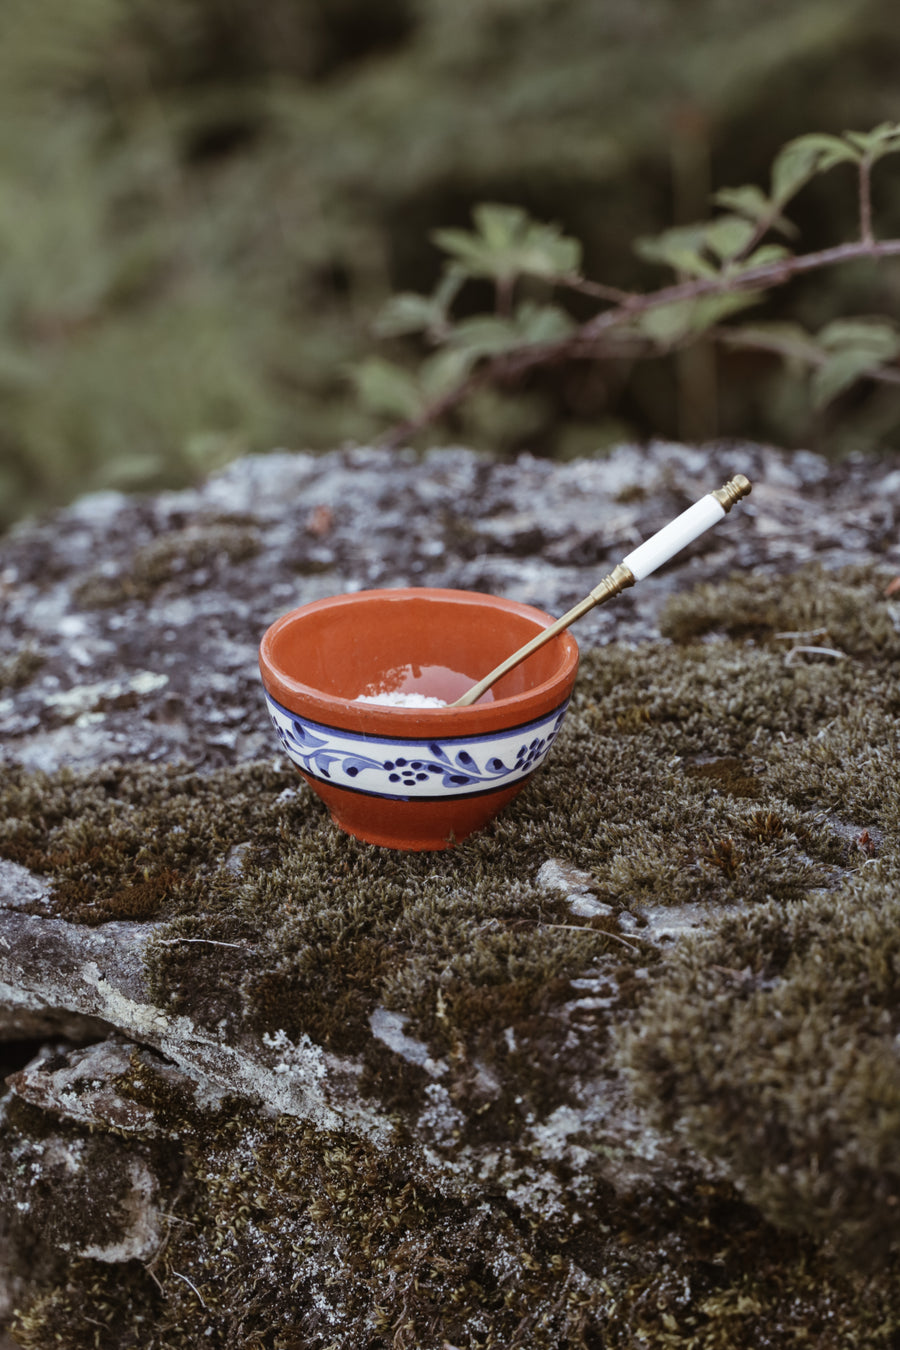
x,y
395,699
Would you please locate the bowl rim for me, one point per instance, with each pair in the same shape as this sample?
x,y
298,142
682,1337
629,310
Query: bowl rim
x,y
331,710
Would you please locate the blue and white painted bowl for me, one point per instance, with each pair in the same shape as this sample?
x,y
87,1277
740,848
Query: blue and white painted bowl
x,y
403,777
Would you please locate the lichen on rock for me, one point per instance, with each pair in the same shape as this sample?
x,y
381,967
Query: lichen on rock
x,y
618,1070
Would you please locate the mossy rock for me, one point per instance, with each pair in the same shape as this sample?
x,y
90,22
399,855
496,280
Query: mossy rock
x,y
719,773
617,1071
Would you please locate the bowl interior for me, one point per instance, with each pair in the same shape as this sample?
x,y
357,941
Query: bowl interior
x,y
434,642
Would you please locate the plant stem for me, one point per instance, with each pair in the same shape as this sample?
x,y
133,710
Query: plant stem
x,y
865,201
588,339
763,276
596,290
784,347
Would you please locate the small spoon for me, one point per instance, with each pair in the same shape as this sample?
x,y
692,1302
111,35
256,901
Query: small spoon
x,y
643,560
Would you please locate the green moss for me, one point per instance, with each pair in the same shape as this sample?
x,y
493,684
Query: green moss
x,y
729,774
716,773
127,843
19,668
282,1237
85,1313
771,1045
198,549
845,610
294,1238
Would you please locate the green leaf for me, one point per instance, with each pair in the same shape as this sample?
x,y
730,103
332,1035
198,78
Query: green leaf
x,y
839,372
387,389
768,253
507,243
667,325
501,226
801,159
548,254
540,249
786,339
693,250
877,337
728,236
680,248
448,287
474,257
542,323
749,201
487,335
883,140
858,346
843,351
407,313
444,371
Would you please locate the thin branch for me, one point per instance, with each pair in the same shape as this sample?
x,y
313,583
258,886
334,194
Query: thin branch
x,y
865,201
435,410
209,942
761,277
789,657
588,339
179,1276
784,347
602,932
596,290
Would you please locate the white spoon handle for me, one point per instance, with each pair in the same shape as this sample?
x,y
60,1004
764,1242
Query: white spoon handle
x,y
675,536
643,560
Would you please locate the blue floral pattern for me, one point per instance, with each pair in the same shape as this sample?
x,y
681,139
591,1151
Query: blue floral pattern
x,y
406,768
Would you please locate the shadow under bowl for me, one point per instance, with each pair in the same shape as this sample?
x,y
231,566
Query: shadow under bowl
x,y
408,777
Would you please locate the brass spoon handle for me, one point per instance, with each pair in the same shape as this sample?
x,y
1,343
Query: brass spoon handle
x,y
643,560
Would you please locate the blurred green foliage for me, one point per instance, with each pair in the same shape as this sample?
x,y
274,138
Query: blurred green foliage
x,y
204,203
721,266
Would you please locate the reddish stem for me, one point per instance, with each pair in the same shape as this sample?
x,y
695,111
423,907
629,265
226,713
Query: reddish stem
x,y
587,338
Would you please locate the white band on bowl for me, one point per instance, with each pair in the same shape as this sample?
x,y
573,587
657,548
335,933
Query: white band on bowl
x,y
405,768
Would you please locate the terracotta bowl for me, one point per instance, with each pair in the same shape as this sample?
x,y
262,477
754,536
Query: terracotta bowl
x,y
414,778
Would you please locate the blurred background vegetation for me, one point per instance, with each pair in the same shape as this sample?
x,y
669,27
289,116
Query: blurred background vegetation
x,y
204,203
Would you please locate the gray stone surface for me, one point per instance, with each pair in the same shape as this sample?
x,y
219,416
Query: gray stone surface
x,y
129,636
166,668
